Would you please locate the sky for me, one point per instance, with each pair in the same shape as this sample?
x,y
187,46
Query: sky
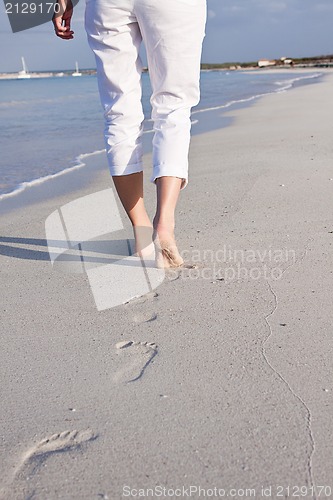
x,y
236,31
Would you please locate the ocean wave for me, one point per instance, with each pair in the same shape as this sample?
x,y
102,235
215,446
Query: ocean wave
x,y
40,180
288,84
293,80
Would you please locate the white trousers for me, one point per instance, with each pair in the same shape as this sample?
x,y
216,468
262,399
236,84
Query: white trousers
x,y
173,32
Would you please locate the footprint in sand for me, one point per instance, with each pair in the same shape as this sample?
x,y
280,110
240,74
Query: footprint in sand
x,y
59,442
135,357
37,454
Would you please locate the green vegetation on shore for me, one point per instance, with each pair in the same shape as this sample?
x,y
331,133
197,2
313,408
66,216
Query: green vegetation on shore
x,y
228,65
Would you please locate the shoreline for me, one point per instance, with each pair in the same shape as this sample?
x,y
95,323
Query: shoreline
x,y
7,200
201,381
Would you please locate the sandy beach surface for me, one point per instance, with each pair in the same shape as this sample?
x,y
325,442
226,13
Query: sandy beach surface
x,y
224,378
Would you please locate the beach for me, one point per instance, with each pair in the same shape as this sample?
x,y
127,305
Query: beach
x,y
217,381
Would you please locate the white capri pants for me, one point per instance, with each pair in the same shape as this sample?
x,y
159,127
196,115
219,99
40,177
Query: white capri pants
x,y
173,32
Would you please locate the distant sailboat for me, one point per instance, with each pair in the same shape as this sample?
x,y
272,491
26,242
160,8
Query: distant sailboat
x,y
23,74
76,72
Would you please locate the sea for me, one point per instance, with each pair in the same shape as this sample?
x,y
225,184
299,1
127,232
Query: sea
x,y
49,124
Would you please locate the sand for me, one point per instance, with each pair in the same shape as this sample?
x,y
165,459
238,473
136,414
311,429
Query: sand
x,y
219,376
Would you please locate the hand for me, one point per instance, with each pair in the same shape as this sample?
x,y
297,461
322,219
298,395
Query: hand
x,y
62,20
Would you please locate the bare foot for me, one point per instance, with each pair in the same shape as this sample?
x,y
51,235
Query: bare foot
x,y
167,254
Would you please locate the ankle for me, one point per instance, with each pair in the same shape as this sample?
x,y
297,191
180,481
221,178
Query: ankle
x,y
164,224
142,222
164,232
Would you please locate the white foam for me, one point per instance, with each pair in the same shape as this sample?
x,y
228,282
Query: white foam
x,y
40,180
287,85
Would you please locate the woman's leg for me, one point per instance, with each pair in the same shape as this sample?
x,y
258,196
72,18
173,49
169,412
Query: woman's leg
x,y
115,38
130,191
173,31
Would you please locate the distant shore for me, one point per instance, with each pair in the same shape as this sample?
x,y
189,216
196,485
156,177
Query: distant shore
x,y
45,74
321,62
89,72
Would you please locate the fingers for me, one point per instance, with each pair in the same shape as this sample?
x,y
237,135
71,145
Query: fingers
x,y
62,23
61,31
64,33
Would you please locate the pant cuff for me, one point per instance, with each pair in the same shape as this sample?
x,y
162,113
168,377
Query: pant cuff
x,y
127,170
167,171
